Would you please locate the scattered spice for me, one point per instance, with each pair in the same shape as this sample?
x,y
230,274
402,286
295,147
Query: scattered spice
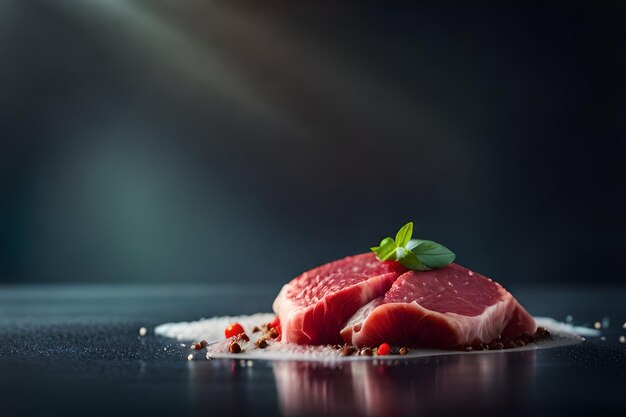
x,y
244,337
273,334
366,352
256,329
495,345
403,351
348,350
510,344
199,345
542,332
234,348
233,330
499,343
261,343
383,349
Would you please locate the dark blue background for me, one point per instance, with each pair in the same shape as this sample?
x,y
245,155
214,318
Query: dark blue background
x,y
247,141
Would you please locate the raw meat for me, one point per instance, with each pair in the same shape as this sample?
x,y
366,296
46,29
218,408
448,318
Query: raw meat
x,y
315,306
365,302
443,308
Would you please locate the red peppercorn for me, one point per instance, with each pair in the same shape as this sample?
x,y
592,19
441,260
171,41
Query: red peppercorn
x,y
233,330
384,349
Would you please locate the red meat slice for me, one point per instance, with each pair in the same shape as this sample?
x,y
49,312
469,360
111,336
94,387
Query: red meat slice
x,y
316,305
442,308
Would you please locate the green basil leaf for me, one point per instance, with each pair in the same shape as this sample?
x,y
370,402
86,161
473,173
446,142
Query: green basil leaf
x,y
404,234
387,250
416,254
386,241
413,243
432,254
411,261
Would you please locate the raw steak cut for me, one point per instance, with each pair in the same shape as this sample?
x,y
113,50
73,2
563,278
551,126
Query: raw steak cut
x,y
316,305
442,308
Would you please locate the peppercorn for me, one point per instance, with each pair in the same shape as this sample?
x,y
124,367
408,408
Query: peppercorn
x,y
542,332
366,352
348,350
233,330
383,349
510,344
234,348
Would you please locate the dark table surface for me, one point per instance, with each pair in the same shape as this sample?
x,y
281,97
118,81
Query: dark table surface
x,y
75,350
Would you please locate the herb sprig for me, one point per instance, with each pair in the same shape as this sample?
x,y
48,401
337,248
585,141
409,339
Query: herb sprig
x,y
417,254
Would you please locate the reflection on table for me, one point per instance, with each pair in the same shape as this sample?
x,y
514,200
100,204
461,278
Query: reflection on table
x,y
432,385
